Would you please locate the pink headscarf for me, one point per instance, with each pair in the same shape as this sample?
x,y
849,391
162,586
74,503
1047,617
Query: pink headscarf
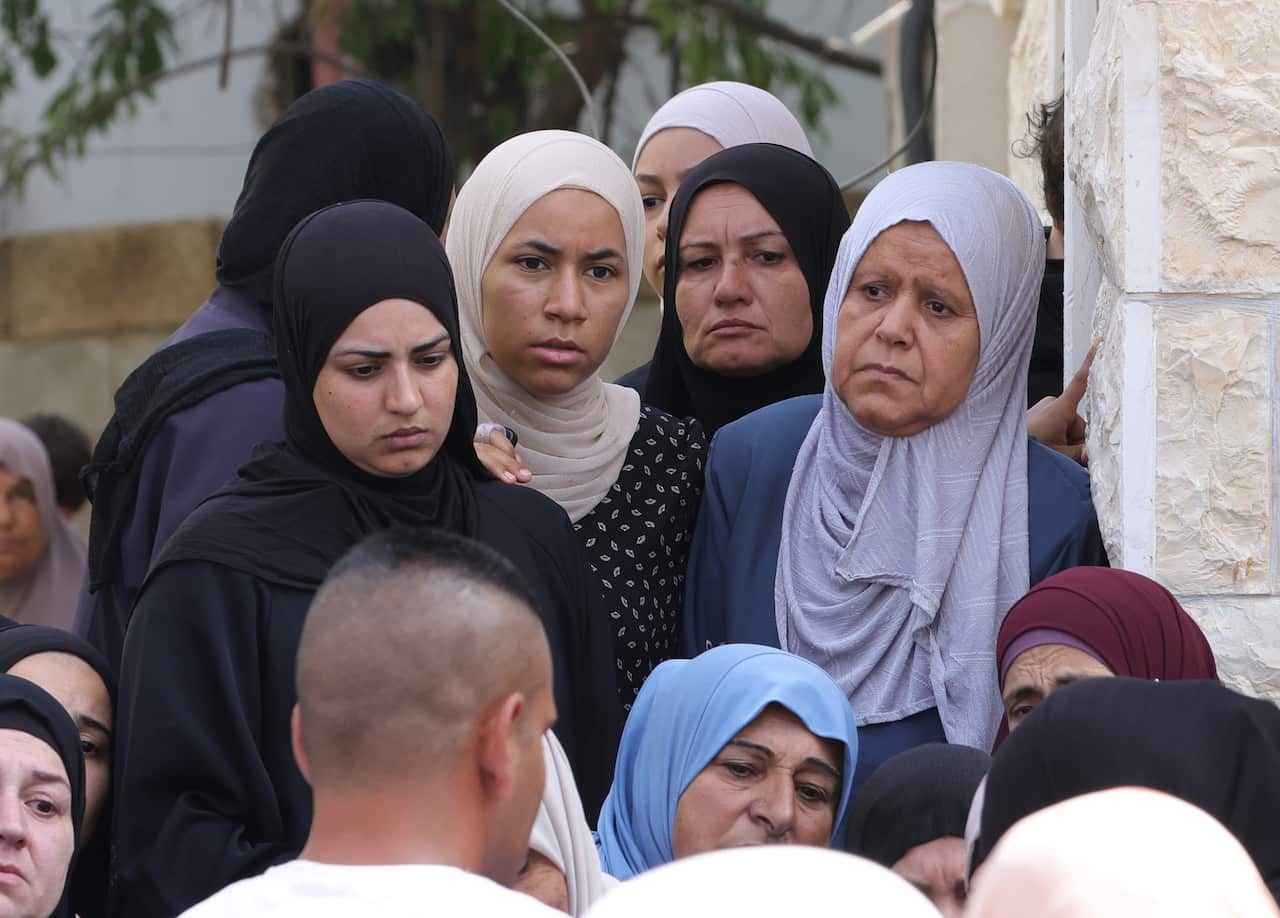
x,y
46,593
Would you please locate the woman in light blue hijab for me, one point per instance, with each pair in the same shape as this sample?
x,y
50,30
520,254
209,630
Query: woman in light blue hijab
x,y
742,745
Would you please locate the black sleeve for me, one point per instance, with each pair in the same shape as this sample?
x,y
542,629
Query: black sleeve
x,y
195,808
587,649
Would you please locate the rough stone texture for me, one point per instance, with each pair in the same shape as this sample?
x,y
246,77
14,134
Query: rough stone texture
x,y
74,376
1096,120
1106,386
1220,101
1029,68
105,280
1206,394
1241,631
1213,448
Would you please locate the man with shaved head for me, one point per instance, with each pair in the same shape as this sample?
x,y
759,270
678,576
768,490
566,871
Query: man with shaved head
x,y
424,689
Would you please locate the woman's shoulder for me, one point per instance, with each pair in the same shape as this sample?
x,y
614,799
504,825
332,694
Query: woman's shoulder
x,y
660,432
770,436
521,509
1063,525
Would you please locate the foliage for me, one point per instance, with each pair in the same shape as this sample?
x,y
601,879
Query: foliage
x,y
513,81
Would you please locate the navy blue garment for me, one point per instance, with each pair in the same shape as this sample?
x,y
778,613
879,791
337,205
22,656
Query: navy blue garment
x,y
734,560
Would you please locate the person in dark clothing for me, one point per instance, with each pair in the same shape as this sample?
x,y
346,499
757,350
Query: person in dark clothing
x,y
78,677
729,374
910,817
1196,740
191,414
69,452
44,778
379,420
1044,377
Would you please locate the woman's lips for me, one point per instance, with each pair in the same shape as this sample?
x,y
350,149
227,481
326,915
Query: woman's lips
x,y
732,328
11,875
559,353
883,371
408,438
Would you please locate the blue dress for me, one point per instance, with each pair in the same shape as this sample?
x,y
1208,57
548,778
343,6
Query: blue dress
x,y
729,590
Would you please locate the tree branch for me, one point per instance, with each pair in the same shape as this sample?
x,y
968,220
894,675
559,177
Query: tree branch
x,y
63,134
833,50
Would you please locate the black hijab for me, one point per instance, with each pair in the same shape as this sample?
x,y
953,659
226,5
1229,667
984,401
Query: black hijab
x,y
26,707
1199,741
807,204
297,506
89,882
345,141
913,798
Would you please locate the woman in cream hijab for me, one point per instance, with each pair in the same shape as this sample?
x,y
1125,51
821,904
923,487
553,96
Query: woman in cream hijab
x,y
546,241
1122,853
563,870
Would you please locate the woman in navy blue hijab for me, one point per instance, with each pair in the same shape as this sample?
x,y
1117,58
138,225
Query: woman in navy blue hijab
x,y
743,745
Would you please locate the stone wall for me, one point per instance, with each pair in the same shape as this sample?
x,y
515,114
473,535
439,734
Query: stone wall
x,y
1176,116
79,309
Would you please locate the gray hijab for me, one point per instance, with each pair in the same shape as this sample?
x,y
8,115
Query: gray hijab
x,y
45,594
901,555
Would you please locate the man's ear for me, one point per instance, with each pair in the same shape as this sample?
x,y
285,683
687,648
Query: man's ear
x,y
299,752
496,744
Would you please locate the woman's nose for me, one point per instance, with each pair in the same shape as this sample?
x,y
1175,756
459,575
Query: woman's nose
x,y
403,396
776,806
895,322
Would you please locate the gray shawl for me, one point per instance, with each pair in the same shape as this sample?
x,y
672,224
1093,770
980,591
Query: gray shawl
x,y
901,555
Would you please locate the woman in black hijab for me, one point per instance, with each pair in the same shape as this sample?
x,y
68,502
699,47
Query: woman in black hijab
x,y
910,817
81,681
44,857
806,203
190,415
379,419
1199,741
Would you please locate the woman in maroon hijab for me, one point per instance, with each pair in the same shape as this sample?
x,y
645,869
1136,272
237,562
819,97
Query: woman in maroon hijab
x,y
1094,621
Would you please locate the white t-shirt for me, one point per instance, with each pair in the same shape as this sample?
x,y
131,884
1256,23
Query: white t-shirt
x,y
308,889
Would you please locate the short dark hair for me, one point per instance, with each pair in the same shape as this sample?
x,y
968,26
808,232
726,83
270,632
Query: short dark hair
x,y
69,451
1045,140
444,552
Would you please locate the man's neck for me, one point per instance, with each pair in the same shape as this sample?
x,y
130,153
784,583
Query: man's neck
x,y
382,829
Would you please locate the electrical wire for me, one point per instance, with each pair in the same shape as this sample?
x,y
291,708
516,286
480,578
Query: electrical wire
x,y
926,112
564,59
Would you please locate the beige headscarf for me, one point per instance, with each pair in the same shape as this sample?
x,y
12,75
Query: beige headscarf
x,y
561,834
47,593
1122,853
574,444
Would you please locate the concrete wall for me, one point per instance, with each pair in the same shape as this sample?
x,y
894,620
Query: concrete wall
x,y
1176,114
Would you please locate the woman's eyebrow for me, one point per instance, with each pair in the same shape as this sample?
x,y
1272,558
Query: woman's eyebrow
x,y
383,355
601,254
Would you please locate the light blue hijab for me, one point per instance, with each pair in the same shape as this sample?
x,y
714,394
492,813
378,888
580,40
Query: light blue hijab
x,y
684,715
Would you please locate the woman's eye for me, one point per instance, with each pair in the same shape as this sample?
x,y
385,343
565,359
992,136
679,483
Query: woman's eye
x,y
769,258
938,309
44,807
530,262
699,264
811,793
650,201
739,769
1022,710
362,372
89,747
601,272
23,490
431,360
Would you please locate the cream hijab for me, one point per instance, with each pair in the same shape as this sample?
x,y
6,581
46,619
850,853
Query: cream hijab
x,y
766,881
47,593
560,832
731,114
574,444
1122,853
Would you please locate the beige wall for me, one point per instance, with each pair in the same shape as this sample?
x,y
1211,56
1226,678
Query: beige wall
x,y
79,309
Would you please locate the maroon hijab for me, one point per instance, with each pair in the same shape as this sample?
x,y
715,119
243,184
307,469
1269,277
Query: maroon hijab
x,y
1134,625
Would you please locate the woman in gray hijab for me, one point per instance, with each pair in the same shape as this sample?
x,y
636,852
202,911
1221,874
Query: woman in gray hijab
x,y
884,528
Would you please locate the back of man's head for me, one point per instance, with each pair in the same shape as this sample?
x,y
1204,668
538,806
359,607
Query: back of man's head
x,y
423,669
